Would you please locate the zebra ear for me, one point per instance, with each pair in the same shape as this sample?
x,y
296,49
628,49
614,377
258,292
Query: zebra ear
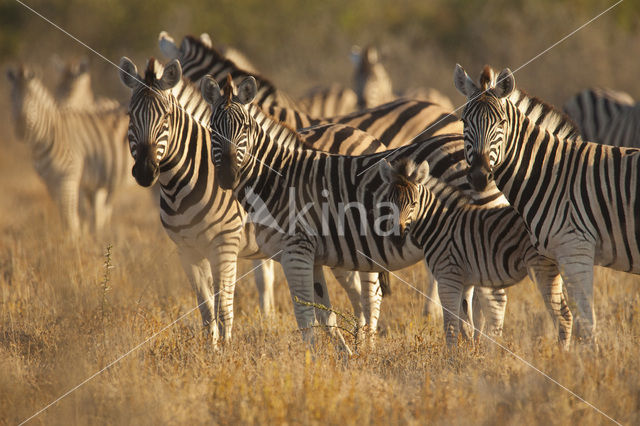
x,y
206,40
421,174
463,82
505,83
387,172
129,73
247,90
168,45
171,75
210,90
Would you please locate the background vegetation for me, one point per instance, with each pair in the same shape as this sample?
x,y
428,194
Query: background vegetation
x,y
55,329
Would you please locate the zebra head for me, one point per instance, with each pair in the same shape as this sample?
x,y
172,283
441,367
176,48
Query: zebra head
x,y
402,181
75,81
150,111
24,86
230,126
485,121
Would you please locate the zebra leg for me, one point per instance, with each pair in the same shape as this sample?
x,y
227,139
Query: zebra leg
x,y
99,209
549,282
327,318
577,273
450,291
198,271
264,276
350,282
66,195
224,265
466,314
297,262
432,307
493,303
371,302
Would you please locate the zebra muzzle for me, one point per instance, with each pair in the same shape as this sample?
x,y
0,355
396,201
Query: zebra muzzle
x,y
145,172
480,173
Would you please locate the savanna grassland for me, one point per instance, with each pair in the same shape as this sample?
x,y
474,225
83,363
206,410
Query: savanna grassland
x,y
63,318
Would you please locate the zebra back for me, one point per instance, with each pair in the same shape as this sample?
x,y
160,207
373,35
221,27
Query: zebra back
x,y
606,116
332,101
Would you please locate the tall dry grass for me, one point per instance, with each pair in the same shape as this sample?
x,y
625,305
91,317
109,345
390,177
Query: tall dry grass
x,y
58,326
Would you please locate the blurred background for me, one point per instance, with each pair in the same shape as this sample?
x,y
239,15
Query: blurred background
x,y
301,44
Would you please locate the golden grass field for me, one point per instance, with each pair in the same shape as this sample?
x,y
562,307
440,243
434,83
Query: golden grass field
x,y
58,327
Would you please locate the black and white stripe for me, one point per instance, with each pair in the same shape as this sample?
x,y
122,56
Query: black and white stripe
x,y
606,116
80,155
579,200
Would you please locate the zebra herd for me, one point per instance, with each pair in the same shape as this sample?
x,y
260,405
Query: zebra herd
x,y
356,180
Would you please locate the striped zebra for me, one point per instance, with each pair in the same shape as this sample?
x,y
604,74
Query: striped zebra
x,y
315,208
469,246
606,116
80,155
578,199
170,145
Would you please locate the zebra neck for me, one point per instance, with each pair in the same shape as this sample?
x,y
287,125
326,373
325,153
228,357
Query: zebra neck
x,y
528,158
188,147
439,208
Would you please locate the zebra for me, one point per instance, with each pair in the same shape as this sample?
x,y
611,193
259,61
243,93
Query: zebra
x,y
78,154
606,116
170,145
465,245
577,199
261,159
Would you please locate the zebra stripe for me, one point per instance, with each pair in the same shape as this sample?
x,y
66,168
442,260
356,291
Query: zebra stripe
x,y
469,246
606,116
577,199
80,155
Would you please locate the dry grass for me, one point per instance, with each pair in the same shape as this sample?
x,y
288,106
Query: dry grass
x,y
55,331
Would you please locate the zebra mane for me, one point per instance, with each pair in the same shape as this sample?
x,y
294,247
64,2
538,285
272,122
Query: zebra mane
x,y
152,71
487,78
227,89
